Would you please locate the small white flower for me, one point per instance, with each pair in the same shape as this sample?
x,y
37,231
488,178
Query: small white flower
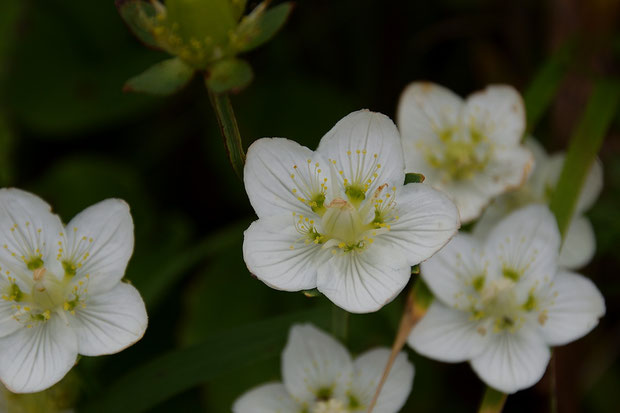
x,y
580,243
501,303
319,376
469,149
339,219
61,288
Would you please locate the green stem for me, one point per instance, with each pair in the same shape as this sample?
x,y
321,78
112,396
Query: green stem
x,y
493,401
229,129
340,323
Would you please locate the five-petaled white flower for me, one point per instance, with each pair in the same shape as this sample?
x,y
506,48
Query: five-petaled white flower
x,y
320,377
579,244
61,288
469,149
339,219
502,302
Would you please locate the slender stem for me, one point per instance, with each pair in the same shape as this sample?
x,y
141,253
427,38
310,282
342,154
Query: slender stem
x,y
340,323
229,129
553,397
418,301
493,401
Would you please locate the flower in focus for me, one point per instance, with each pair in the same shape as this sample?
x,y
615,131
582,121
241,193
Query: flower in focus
x,y
340,219
319,376
469,149
61,288
579,244
501,303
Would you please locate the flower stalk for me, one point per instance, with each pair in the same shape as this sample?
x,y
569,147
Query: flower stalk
x,y
493,401
418,300
230,130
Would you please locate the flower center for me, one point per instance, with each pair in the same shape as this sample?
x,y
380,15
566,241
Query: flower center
x,y
351,221
37,291
461,155
330,406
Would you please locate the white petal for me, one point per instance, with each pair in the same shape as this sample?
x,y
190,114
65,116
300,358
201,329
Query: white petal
x,y
8,325
513,361
571,308
368,371
110,322
448,335
539,152
313,361
591,187
371,134
451,272
493,214
110,227
427,220
527,243
579,244
363,282
508,169
270,176
424,110
28,229
36,358
497,112
268,254
268,398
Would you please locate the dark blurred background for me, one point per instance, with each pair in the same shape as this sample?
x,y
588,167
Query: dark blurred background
x,y
69,134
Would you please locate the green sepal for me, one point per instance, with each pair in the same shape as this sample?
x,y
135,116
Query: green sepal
x,y
229,75
312,293
260,26
163,78
413,178
415,270
136,15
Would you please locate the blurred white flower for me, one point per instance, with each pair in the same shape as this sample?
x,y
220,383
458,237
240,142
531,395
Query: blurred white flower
x,y
339,219
319,376
501,303
61,288
468,148
579,244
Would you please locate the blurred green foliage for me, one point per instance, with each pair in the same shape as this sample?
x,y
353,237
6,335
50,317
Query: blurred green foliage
x,y
69,133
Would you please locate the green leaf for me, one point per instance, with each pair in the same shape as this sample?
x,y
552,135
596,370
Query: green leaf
x,y
413,178
154,287
229,75
180,370
541,91
238,7
163,78
260,26
585,144
136,14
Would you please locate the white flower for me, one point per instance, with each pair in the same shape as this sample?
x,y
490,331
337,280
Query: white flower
x,y
339,219
469,149
500,304
319,376
61,288
579,244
